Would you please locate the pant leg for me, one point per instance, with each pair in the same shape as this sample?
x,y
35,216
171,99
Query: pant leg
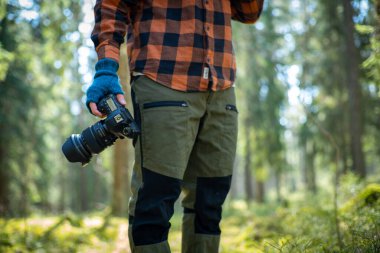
x,y
207,178
162,152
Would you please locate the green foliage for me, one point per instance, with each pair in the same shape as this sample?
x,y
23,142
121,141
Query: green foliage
x,y
280,133
261,93
5,58
370,195
69,233
39,86
308,226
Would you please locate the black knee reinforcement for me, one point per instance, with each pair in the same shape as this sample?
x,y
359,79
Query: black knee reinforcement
x,y
210,196
154,208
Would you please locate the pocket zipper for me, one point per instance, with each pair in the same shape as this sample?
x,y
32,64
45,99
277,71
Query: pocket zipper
x,y
165,104
231,108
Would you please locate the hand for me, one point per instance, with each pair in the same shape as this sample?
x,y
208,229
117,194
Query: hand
x,y
105,82
94,109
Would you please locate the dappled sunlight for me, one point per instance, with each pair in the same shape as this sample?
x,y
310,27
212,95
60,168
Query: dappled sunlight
x,y
91,234
271,227
306,174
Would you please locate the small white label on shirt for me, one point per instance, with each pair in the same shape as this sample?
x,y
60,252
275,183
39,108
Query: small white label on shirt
x,y
205,72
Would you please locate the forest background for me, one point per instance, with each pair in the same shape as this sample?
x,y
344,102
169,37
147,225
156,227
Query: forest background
x,y
307,173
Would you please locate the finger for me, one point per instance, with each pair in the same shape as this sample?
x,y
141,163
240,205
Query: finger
x,y
95,111
121,99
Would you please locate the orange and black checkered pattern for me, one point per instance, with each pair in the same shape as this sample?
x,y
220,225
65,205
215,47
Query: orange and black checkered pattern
x,y
183,44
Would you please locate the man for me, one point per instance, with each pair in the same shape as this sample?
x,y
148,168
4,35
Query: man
x,y
183,67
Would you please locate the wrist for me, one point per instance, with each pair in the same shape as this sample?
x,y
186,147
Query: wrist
x,y
107,64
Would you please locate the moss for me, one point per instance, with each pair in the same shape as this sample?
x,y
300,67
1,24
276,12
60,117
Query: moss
x,y
306,226
366,197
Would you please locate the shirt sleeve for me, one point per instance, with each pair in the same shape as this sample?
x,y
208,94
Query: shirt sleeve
x,y
111,22
246,11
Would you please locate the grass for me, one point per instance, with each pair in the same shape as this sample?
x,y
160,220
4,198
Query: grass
x,y
303,226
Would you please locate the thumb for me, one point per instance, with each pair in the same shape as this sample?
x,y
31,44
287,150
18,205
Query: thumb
x,y
121,99
95,111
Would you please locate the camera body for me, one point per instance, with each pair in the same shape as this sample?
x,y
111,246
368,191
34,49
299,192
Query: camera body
x,y
119,123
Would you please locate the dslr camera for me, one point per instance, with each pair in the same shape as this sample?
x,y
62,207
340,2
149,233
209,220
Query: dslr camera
x,y
119,123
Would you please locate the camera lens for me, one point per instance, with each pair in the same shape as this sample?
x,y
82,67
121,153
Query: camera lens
x,y
97,138
93,140
75,150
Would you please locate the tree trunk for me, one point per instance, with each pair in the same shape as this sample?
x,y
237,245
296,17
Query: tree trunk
x,y
62,186
234,184
308,166
303,161
345,149
4,196
122,151
355,92
83,190
4,171
120,194
248,188
260,191
311,180
278,184
307,162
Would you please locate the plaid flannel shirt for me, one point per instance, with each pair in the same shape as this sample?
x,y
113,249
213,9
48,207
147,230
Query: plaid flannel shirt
x,y
185,45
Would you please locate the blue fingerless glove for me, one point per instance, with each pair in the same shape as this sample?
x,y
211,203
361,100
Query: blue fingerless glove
x,y
106,81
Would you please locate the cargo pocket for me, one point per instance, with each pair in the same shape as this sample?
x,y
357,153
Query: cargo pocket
x,y
229,138
165,137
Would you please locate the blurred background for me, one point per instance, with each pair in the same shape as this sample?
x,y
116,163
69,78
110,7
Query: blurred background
x,y
307,170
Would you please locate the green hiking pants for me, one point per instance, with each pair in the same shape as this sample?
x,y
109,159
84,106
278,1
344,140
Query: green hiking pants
x,y
187,143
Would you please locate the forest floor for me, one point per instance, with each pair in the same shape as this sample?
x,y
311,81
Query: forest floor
x,y
104,234
305,225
